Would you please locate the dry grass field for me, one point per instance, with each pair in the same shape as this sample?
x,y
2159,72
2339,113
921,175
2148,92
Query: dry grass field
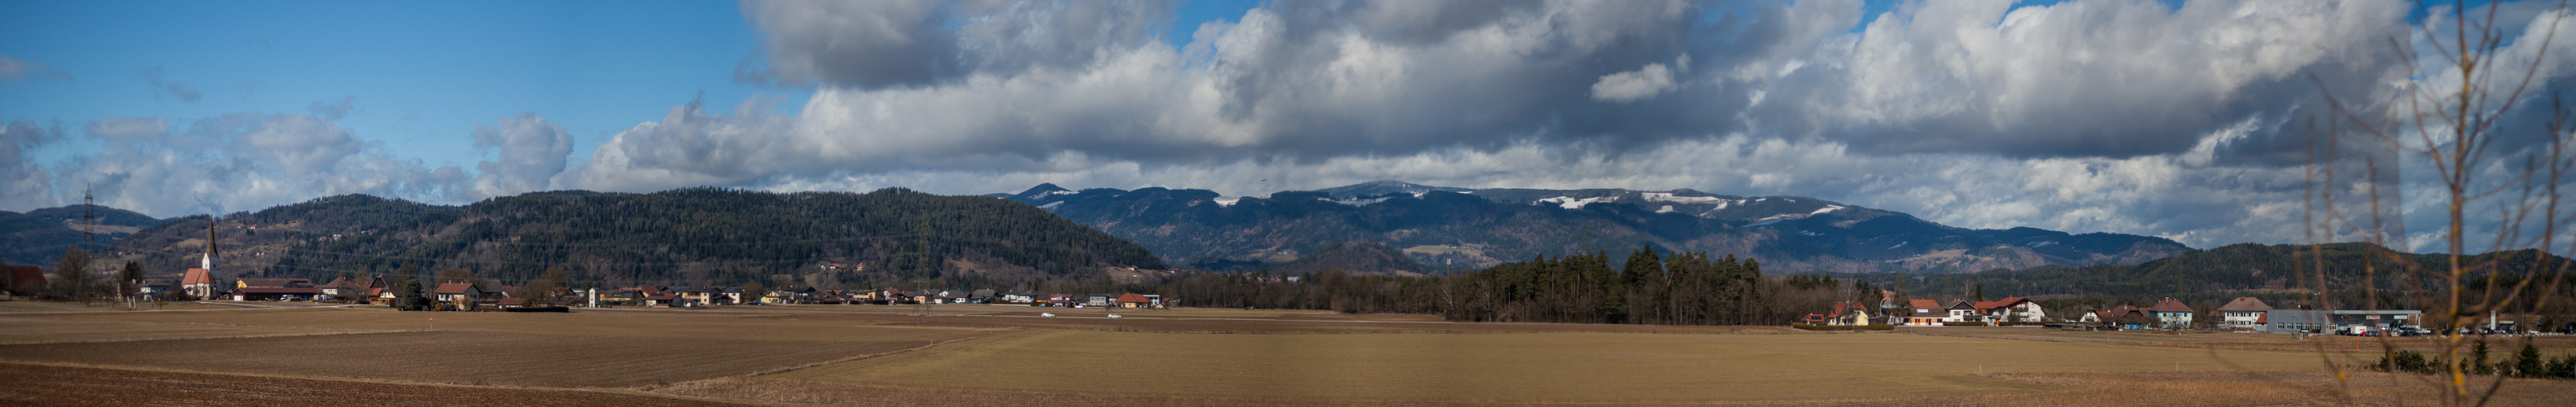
x,y
957,354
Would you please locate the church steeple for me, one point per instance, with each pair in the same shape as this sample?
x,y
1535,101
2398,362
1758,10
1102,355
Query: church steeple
x,y
209,263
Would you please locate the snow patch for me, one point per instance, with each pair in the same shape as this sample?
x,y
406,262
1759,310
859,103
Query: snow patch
x,y
1669,197
1356,202
1571,203
2040,244
1224,201
1666,209
1827,209
1771,220
1051,205
1898,244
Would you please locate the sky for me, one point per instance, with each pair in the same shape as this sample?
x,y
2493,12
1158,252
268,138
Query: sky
x,y
2191,120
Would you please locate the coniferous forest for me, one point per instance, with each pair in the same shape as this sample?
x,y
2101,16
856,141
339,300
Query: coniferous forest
x,y
1649,288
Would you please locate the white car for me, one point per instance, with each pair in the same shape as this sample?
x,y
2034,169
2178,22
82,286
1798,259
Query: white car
x,y
1115,316
1047,314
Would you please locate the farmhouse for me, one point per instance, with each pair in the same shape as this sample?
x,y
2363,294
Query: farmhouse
x,y
461,295
22,280
1098,300
1963,312
1848,313
1926,313
2244,313
2012,309
1019,297
1131,300
2171,314
271,289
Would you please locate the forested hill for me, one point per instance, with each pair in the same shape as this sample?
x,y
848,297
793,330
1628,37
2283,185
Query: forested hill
x,y
39,236
1460,228
685,236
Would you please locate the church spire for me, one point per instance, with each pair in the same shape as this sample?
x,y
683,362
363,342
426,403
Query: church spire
x,y
209,263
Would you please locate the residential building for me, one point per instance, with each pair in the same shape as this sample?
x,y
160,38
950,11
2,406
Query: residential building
x,y
2243,313
1848,313
2012,309
1926,313
2172,314
462,295
22,280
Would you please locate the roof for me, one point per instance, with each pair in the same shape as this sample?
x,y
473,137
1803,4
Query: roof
x,y
198,276
342,282
1920,303
2170,305
24,276
663,297
276,282
456,288
514,301
2245,304
1132,297
279,290
1848,306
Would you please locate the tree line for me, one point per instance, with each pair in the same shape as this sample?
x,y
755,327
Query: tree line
x,y
1683,288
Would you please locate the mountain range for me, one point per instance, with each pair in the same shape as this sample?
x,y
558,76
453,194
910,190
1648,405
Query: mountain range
x,y
39,236
1456,228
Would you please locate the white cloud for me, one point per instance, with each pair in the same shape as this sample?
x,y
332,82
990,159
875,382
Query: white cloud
x,y
1632,85
532,151
13,70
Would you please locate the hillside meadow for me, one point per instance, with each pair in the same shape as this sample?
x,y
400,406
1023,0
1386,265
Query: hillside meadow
x,y
907,355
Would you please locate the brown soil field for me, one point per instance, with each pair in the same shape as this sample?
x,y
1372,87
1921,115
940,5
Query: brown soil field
x,y
1578,367
59,385
2198,388
471,357
2245,341
22,330
956,354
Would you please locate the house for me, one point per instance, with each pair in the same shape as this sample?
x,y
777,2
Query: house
x,y
980,296
1098,300
1926,313
1060,300
1019,297
154,289
1963,312
339,287
731,295
512,303
1155,301
22,280
1132,300
461,295
2012,309
2243,313
661,300
1848,313
2171,314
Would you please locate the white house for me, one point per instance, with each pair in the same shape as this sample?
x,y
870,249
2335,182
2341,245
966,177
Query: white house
x,y
2245,313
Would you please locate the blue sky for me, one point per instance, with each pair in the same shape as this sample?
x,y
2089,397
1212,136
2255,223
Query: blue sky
x,y
2157,117
423,73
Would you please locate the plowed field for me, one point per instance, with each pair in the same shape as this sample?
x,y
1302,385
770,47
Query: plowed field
x,y
465,357
42,385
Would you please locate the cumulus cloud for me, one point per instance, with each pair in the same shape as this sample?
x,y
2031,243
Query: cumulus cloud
x,y
23,184
532,151
13,70
1632,85
2187,121
243,161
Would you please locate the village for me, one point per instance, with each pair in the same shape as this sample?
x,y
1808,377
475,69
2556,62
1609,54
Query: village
x,y
2243,314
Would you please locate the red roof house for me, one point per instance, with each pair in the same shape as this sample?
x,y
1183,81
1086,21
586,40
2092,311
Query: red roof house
x,y
22,280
